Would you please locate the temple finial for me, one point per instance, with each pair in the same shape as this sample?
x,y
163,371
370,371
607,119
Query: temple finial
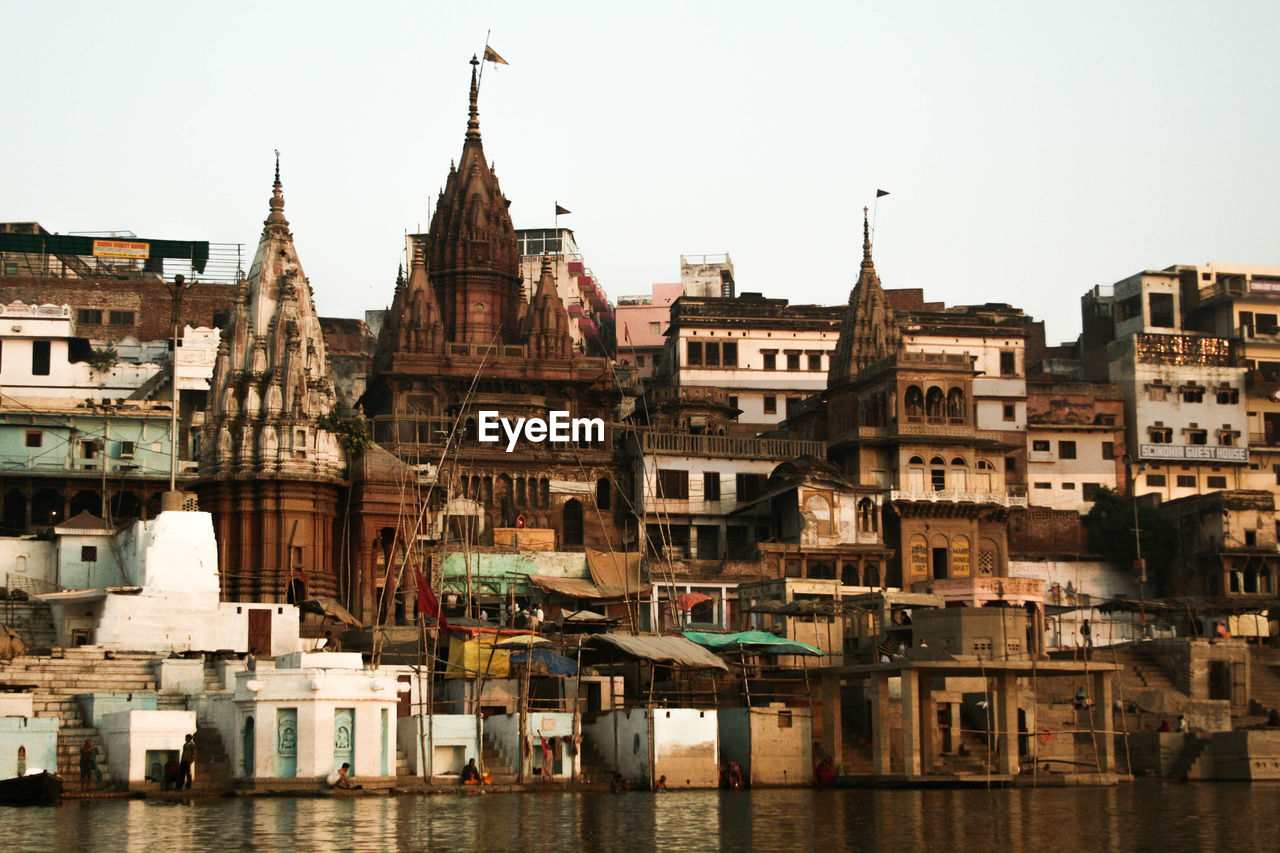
x,y
276,216
866,238
473,121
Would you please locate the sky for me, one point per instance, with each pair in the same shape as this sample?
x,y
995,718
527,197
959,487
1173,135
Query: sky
x,y
1031,150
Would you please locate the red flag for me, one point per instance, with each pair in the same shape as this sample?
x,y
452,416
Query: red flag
x,y
626,332
428,604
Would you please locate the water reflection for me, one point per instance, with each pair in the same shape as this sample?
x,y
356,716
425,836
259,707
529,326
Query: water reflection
x,y
1134,817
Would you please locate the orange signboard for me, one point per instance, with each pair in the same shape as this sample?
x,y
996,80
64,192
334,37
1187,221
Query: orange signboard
x,y
121,249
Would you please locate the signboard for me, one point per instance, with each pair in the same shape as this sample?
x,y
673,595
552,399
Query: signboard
x,y
919,557
1198,452
137,250
961,557
1261,284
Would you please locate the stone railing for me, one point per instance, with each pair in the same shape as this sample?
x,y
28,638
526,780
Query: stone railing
x,y
727,446
953,496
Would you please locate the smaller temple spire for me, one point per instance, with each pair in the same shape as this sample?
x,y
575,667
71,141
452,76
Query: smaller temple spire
x,y
473,121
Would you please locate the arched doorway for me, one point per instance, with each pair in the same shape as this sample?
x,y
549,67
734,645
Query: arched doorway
x,y
572,522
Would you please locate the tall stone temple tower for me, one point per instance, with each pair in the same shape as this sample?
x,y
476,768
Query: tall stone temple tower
x,y
270,471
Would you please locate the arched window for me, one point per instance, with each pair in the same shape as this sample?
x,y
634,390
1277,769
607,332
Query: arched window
x,y
572,522
867,515
984,465
915,474
937,474
933,403
913,402
603,493
955,404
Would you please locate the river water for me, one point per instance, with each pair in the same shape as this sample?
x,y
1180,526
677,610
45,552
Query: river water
x,y
1148,816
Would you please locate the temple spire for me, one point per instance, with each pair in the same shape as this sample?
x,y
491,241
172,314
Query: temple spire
x,y
473,121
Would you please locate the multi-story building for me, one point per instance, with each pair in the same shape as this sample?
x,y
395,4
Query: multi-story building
x,y
769,354
1075,442
642,323
590,313
1185,407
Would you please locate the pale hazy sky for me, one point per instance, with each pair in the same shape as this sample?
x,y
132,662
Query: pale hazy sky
x,y
1032,150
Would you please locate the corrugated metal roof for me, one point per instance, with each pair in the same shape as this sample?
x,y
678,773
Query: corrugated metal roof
x,y
672,650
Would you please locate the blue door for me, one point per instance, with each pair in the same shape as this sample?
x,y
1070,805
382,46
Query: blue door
x,y
344,737
287,742
386,741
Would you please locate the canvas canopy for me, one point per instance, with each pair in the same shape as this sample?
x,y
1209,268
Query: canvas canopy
x,y
761,642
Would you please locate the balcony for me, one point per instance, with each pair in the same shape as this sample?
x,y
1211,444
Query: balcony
x,y
954,496
726,446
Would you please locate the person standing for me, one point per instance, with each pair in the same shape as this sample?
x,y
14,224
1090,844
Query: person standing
x,y
88,764
1087,633
187,763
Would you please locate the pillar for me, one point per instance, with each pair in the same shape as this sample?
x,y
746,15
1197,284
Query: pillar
x,y
1106,745
929,735
832,732
911,722
957,733
878,684
1007,723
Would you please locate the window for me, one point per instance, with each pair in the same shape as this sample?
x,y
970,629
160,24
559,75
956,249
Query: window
x,y
1008,363
655,328
1089,491
89,316
1010,412
1041,446
1070,487
1011,464
604,494
793,361
1104,420
1228,396
39,358
1066,450
88,449
673,484
126,449
711,485
1216,482
88,553
35,438
770,359
1157,392
1160,310
694,353
121,318
815,361
770,404
1044,485
1160,435
750,486
1108,450
1227,438
938,476
1192,394
733,402
729,354
1155,479
711,354
639,360
1197,436
1186,481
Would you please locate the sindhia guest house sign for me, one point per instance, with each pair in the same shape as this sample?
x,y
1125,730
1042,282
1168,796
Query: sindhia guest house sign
x,y
1206,452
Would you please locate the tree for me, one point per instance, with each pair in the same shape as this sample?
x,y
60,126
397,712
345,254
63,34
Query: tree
x,y
1110,531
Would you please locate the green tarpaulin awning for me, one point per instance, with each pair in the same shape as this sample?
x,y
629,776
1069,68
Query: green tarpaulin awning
x,y
753,641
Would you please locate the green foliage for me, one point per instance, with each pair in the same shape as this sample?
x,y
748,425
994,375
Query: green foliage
x,y
1110,529
352,431
102,360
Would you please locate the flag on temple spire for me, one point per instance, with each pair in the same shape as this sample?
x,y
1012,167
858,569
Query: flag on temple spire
x,y
491,55
881,193
561,211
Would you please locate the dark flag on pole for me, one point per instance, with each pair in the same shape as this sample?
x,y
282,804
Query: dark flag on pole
x,y
881,193
561,211
491,55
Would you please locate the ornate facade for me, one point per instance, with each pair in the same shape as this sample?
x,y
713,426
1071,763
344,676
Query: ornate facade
x,y
460,339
